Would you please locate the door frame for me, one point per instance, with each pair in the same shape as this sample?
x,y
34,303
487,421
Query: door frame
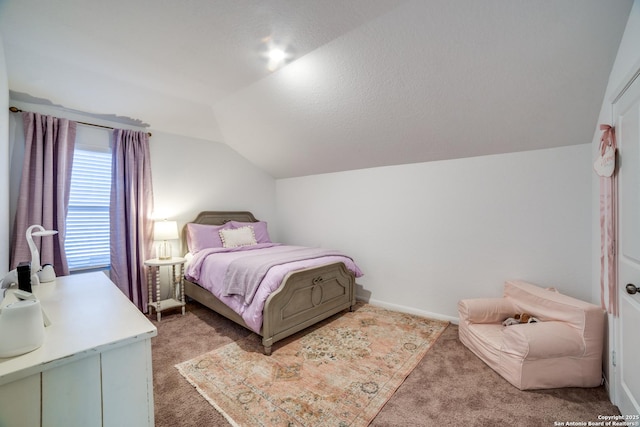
x,y
613,334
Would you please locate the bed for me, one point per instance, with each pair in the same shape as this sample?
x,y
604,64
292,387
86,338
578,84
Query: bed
x,y
302,298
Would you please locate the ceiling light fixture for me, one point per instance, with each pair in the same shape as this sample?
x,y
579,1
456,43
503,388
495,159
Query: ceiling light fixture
x,y
277,55
277,58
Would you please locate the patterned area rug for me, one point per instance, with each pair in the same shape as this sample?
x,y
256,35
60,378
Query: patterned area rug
x,y
339,373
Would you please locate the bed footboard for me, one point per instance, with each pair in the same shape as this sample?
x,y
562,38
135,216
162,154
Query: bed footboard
x,y
305,298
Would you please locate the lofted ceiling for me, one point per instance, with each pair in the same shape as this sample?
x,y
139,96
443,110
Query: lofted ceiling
x,y
368,82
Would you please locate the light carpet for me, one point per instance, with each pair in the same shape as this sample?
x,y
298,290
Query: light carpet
x,y
340,372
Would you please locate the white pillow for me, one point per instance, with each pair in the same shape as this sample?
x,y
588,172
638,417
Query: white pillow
x,y
233,238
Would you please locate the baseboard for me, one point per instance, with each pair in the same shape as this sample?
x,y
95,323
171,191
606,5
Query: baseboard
x,y
408,310
605,383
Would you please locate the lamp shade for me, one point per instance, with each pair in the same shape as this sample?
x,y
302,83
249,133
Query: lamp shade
x,y
165,230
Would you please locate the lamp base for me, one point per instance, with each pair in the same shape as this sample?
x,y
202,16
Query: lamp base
x,y
164,250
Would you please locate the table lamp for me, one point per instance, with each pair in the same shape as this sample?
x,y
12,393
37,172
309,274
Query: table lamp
x,y
164,231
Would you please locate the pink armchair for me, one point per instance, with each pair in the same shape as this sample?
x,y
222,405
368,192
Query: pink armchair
x,y
563,349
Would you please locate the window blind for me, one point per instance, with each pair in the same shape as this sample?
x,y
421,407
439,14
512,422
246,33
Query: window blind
x,y
87,230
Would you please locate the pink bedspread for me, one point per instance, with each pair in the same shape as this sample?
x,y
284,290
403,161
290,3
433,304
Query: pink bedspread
x,y
208,268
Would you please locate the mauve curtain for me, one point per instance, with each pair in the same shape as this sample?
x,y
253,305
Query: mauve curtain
x,y
130,213
44,188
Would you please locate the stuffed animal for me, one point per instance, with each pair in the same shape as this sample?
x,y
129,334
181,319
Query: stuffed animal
x,y
519,318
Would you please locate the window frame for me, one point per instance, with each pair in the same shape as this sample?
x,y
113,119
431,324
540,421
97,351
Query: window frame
x,y
96,199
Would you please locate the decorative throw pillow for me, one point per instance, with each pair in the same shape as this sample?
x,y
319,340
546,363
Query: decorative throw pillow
x,y
235,237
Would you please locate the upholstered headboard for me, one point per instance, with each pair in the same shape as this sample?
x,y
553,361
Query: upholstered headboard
x,y
216,218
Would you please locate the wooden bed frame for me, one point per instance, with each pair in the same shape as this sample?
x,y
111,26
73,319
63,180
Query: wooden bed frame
x,y
304,297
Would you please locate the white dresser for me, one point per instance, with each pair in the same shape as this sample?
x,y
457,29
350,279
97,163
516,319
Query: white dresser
x,y
94,368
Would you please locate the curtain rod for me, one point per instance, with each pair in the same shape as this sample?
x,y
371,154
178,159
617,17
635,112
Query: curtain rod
x,y
17,110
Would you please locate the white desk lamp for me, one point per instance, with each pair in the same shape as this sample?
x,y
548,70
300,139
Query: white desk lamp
x,y
39,274
46,273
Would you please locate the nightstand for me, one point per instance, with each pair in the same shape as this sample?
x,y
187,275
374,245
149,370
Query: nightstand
x,y
153,282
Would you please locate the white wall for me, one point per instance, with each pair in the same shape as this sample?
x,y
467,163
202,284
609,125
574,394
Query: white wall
x,y
192,175
4,163
429,234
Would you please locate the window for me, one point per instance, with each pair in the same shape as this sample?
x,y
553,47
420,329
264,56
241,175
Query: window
x,y
87,233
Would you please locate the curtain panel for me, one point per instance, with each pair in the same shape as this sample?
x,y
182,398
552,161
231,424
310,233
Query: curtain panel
x,y
130,214
44,188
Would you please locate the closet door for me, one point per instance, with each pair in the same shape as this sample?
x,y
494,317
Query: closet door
x,y
627,115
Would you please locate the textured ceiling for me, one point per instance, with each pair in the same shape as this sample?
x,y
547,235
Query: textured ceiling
x,y
371,82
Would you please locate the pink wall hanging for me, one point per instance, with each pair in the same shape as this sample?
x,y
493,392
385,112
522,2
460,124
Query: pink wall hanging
x,y
605,168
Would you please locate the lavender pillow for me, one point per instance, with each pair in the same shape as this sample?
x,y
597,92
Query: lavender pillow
x,y
203,236
259,229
